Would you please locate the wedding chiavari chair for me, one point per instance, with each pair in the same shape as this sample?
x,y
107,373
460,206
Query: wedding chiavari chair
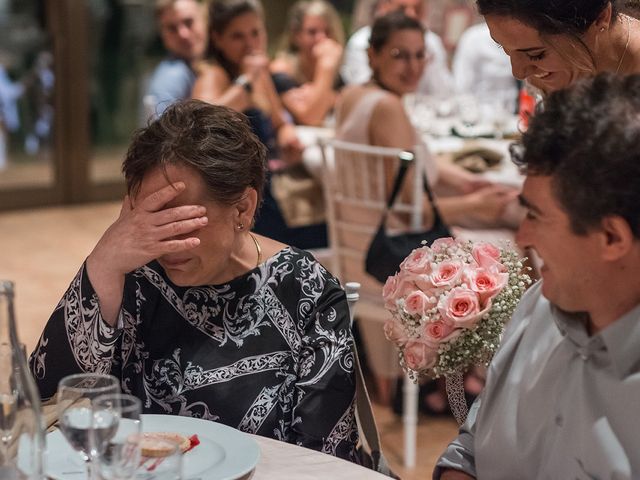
x,y
357,183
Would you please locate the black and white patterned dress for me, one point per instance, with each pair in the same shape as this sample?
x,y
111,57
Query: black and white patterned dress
x,y
267,353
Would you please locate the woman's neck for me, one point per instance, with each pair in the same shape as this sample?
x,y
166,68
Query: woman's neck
x,y
377,83
630,61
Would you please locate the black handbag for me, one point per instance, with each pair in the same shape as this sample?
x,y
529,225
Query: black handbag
x,y
386,252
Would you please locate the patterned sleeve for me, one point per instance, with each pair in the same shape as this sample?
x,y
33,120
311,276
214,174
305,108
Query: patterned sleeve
x,y
324,415
75,339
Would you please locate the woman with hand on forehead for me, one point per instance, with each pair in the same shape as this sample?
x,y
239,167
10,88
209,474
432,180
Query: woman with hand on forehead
x,y
553,43
195,314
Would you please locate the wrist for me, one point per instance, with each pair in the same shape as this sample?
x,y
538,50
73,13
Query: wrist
x,y
245,82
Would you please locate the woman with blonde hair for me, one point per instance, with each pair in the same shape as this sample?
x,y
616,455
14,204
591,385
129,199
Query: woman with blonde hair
x,y
306,69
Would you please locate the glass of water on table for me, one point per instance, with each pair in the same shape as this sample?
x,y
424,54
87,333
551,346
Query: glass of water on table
x,y
75,413
116,436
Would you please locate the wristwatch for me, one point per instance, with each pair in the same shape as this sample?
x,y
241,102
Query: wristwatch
x,y
244,81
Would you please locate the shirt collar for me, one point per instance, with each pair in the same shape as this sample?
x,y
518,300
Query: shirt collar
x,y
621,339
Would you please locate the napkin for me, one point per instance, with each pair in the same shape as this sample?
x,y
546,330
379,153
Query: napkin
x,y
477,159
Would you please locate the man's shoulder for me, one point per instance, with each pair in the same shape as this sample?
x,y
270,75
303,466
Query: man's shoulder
x,y
172,67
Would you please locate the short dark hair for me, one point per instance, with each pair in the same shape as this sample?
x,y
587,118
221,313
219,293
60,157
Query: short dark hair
x,y
552,17
222,12
586,138
215,141
383,27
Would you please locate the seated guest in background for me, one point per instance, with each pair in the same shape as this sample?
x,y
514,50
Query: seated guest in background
x,y
551,44
238,77
436,79
183,29
306,71
374,114
481,68
561,393
195,314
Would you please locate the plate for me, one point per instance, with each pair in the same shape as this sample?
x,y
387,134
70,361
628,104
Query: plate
x,y
224,453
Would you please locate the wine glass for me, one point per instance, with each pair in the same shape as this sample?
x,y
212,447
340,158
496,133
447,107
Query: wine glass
x,y
75,417
116,435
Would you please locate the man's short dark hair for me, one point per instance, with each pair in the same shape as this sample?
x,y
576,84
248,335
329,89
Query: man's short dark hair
x,y
587,138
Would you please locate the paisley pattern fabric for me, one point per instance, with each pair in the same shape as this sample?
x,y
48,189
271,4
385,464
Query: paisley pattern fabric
x,y
268,353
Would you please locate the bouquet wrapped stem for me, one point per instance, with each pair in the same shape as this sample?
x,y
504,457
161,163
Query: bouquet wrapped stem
x,y
450,302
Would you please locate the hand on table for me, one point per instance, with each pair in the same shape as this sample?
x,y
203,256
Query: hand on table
x,y
488,203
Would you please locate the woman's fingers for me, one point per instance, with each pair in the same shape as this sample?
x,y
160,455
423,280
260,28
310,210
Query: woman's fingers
x,y
181,227
157,200
177,214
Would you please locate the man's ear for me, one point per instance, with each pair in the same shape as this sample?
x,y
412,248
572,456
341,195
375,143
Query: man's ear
x,y
617,237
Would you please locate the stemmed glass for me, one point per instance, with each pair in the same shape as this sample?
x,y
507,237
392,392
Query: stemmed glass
x,y
75,416
116,435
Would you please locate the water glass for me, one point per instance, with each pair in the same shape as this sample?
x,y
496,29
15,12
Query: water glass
x,y
75,416
165,467
116,434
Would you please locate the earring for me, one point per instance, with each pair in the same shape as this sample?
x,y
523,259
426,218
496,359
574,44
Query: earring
x,y
602,29
240,226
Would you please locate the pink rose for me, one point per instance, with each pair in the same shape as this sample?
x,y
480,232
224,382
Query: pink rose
x,y
486,283
446,274
394,332
461,306
418,261
440,244
439,332
487,255
417,303
389,292
419,355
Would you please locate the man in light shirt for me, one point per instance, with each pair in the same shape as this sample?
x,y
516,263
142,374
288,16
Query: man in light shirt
x,y
183,28
481,68
436,80
562,393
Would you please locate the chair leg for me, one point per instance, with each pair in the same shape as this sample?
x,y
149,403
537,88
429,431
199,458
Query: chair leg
x,y
410,421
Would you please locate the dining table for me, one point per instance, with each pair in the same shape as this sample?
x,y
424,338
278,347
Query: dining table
x,y
276,460
284,461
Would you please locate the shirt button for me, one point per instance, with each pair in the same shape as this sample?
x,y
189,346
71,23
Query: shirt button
x,y
559,420
584,356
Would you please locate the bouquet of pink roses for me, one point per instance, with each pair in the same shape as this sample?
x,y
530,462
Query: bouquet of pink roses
x,y
449,303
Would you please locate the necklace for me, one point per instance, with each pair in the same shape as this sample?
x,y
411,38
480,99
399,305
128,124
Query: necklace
x,y
258,248
626,45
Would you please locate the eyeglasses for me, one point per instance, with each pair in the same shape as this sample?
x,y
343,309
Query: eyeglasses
x,y
406,56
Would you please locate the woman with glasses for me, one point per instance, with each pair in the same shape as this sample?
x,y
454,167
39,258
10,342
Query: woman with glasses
x,y
374,114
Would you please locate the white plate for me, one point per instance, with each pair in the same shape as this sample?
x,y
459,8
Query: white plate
x,y
224,453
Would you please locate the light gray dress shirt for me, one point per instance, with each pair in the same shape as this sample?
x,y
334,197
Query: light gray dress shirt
x,y
558,403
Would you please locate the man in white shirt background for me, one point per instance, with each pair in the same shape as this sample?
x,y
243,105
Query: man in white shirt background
x,y
436,80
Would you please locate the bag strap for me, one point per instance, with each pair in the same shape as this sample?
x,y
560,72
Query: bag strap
x,y
406,158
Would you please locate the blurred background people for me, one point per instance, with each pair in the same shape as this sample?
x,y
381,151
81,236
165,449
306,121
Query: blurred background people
x,y
183,29
436,80
306,69
10,92
238,76
480,67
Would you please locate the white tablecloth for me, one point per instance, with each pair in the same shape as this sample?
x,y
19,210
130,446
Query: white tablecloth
x,y
283,461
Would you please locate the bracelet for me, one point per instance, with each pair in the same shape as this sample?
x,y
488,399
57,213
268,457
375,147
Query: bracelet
x,y
244,81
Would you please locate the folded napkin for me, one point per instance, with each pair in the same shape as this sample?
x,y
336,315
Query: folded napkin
x,y
477,159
